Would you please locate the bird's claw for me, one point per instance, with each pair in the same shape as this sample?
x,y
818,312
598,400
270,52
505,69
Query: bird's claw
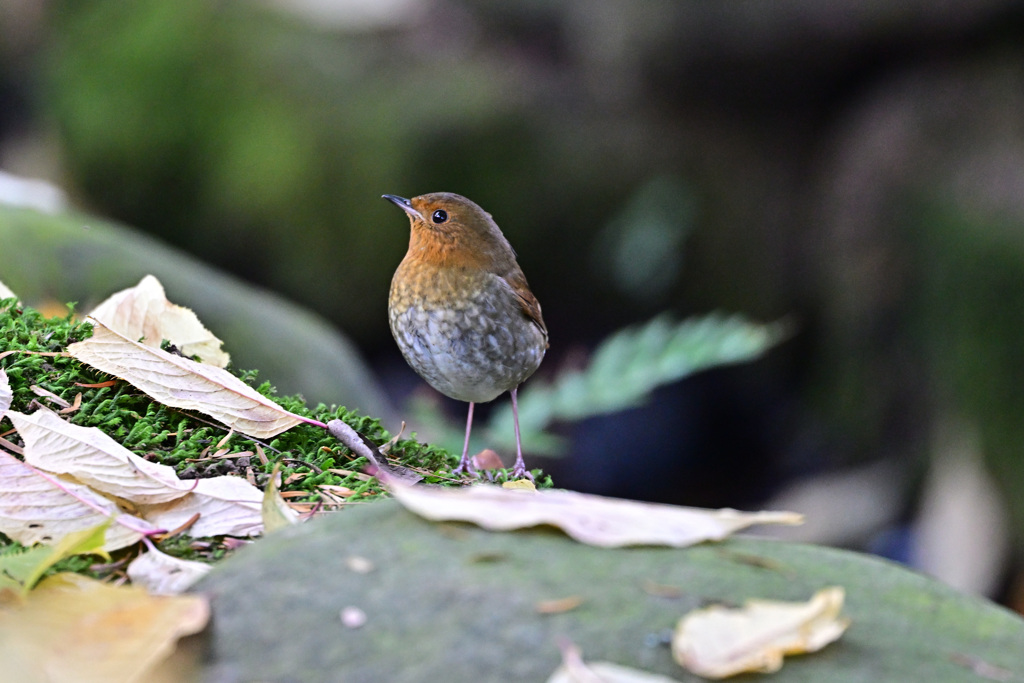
x,y
520,472
466,467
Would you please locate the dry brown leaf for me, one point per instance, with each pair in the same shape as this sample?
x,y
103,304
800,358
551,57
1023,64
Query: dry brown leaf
x,y
182,383
575,670
93,458
595,520
72,628
49,395
35,509
162,574
75,405
717,642
487,460
143,312
6,393
226,505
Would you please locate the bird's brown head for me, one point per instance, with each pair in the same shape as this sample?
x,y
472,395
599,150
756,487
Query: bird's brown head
x,y
450,230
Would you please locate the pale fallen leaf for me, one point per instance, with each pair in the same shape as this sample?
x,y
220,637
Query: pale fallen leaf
x,y
72,628
92,457
226,505
6,293
143,312
595,520
6,393
161,574
275,512
182,383
717,642
575,670
36,508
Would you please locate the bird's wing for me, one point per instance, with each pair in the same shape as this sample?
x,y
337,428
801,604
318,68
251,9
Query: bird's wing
x,y
527,301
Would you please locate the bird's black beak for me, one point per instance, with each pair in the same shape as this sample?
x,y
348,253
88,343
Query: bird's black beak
x,y
404,204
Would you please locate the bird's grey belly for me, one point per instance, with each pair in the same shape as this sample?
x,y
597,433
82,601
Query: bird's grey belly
x,y
464,353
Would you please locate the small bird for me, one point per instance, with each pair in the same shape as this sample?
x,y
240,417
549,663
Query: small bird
x,y
460,308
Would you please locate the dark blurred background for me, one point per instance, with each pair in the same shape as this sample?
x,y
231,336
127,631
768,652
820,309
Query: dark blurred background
x,y
856,166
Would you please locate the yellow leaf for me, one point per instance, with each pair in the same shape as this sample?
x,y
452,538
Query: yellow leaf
x,y
72,628
20,571
275,512
86,541
717,642
519,485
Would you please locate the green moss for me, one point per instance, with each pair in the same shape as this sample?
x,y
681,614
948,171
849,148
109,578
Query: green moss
x,y
191,443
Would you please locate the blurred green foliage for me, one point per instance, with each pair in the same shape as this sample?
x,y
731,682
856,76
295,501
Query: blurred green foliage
x,y
968,321
621,373
262,144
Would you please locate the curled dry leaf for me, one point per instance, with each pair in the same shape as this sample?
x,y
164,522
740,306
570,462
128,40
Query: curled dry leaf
x,y
72,628
35,508
161,574
143,312
595,520
226,505
6,394
93,458
717,642
182,383
575,670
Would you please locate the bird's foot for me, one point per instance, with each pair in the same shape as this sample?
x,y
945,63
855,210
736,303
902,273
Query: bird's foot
x,y
520,472
466,467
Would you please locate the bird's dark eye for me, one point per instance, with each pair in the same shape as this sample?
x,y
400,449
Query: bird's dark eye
x,y
439,216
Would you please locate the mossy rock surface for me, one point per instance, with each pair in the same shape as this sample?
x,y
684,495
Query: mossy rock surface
x,y
451,602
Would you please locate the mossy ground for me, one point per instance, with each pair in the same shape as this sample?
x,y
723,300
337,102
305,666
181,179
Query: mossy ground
x,y
318,472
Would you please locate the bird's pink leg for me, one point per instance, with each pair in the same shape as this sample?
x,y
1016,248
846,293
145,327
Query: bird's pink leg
x,y
466,465
519,471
